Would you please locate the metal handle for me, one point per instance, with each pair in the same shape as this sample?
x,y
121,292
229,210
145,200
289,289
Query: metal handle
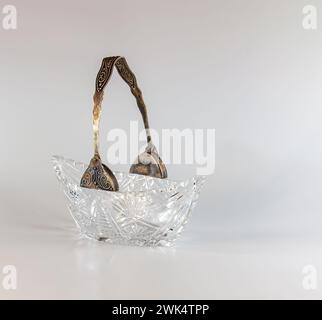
x,y
102,79
98,175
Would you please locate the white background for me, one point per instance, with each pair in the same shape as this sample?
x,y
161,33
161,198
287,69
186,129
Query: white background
x,y
246,68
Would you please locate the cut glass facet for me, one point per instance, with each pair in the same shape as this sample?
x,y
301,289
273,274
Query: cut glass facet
x,y
145,211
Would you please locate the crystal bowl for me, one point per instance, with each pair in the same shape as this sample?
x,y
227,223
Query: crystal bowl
x,y
144,212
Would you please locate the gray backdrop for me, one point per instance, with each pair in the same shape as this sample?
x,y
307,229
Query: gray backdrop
x,y
246,68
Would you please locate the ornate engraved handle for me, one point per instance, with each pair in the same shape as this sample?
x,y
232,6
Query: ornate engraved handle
x,y
98,175
102,79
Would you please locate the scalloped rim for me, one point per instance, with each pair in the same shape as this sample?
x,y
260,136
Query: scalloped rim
x,y
199,178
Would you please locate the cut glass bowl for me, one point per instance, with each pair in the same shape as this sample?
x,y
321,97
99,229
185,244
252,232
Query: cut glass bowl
x,y
144,212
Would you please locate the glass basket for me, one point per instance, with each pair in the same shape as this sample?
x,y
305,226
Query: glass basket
x,y
145,211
